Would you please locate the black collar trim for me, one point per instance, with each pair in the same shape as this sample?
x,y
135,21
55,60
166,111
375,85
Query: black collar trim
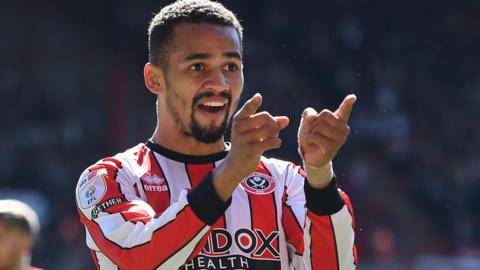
x,y
187,158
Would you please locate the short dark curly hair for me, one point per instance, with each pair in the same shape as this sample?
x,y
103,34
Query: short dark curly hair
x,y
161,27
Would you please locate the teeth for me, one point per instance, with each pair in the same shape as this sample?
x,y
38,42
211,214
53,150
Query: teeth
x,y
214,104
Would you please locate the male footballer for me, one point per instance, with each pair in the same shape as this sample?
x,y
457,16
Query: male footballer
x,y
186,199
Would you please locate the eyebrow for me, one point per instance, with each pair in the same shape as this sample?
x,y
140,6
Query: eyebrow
x,y
203,56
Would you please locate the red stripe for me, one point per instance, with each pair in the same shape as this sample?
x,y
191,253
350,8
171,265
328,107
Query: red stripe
x,y
113,189
134,217
117,162
142,154
264,217
153,253
159,196
197,172
293,230
323,244
95,259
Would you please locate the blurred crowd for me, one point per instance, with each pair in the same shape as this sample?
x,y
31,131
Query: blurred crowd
x,y
72,92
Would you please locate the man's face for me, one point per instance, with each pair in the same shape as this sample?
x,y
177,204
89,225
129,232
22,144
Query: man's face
x,y
14,244
204,79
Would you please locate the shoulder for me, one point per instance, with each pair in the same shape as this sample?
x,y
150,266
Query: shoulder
x,y
119,161
110,167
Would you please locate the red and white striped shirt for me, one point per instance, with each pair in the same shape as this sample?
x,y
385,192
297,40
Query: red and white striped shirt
x,y
152,208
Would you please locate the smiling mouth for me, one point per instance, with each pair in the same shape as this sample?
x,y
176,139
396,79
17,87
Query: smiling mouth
x,y
213,106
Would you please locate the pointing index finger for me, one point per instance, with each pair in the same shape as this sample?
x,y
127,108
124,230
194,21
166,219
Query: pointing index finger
x,y
250,107
344,110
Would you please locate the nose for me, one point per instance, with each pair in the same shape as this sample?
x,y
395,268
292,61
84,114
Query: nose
x,y
216,80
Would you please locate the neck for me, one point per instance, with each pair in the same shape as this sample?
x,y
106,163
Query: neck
x,y
185,144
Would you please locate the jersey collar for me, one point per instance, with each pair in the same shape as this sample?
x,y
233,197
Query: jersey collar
x,y
187,158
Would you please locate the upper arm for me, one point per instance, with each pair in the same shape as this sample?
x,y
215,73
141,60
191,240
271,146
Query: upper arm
x,y
126,229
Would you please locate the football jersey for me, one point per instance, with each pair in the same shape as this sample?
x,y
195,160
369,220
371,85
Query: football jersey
x,y
153,208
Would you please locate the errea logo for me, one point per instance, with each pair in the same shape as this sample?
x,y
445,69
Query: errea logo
x,y
152,182
152,179
258,183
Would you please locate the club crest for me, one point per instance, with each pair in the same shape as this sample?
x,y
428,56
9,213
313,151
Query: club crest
x,y
258,183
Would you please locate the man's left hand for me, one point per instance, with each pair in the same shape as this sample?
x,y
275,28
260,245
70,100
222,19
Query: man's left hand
x,y
320,136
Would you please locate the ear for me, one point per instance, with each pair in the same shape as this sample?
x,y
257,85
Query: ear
x,y
154,78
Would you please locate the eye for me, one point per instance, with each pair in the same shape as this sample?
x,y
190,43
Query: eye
x,y
231,67
197,67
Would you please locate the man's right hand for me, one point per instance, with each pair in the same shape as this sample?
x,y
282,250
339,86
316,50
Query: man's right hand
x,y
252,134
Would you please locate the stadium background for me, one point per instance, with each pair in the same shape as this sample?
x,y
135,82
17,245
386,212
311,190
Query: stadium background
x,y
72,92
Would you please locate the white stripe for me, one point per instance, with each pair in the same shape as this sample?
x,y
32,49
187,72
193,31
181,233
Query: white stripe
x,y
308,241
183,254
175,174
90,243
290,177
279,178
140,189
344,236
128,235
127,178
297,262
104,262
238,217
283,248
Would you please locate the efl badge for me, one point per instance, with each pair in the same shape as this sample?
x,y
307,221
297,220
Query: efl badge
x,y
92,192
258,183
90,176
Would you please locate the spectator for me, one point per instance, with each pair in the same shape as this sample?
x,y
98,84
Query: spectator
x,y
19,228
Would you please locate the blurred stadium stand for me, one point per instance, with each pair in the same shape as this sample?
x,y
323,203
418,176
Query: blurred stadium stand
x,y
72,92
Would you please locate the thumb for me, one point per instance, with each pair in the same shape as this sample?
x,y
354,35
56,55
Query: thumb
x,y
309,115
249,107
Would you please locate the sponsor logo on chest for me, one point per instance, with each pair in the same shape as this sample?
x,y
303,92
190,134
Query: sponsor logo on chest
x,y
257,246
226,262
251,241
